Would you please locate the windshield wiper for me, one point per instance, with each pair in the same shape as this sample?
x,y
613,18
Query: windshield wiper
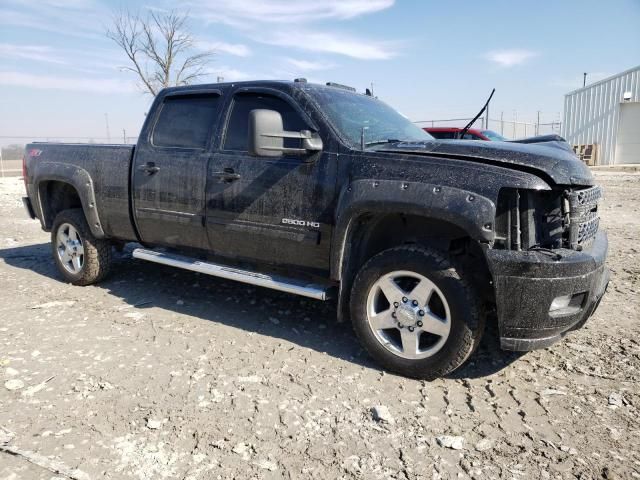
x,y
381,142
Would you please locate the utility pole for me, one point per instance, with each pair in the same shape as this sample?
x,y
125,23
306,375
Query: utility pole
x,y
584,79
106,120
502,123
486,117
124,136
538,124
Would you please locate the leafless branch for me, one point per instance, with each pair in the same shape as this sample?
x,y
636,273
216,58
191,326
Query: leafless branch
x,y
159,48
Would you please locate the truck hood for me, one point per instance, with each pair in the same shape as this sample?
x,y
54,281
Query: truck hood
x,y
549,158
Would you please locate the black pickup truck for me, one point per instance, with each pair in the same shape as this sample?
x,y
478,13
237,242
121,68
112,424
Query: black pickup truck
x,y
320,191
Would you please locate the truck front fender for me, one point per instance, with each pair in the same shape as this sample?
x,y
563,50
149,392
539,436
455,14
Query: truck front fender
x,y
467,210
72,175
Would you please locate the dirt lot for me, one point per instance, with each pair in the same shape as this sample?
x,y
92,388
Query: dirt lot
x,y
159,373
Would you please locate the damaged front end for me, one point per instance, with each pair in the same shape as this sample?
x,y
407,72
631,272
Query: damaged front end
x,y
548,263
547,220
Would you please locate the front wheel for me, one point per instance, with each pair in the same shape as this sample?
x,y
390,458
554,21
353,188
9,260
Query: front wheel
x,y
414,313
81,258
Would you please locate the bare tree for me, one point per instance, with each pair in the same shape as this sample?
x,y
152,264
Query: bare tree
x,y
160,49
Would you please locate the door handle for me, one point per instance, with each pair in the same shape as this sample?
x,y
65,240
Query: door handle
x,y
227,175
149,168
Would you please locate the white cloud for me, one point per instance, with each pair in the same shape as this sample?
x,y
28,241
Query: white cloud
x,y
229,74
39,53
67,4
238,13
61,82
154,8
88,61
306,65
77,19
237,49
509,58
336,43
277,23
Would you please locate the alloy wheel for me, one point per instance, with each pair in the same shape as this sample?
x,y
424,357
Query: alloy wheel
x,y
70,248
408,314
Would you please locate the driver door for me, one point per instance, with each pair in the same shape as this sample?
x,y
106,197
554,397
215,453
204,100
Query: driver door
x,y
266,209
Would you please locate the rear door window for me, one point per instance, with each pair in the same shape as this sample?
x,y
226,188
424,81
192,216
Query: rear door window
x,y
186,121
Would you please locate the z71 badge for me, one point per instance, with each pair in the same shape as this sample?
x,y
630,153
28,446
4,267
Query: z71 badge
x,y
300,223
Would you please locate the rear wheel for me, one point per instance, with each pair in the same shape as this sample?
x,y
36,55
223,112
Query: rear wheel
x,y
414,313
81,258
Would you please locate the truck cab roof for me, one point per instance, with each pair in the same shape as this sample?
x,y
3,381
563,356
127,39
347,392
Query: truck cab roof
x,y
278,84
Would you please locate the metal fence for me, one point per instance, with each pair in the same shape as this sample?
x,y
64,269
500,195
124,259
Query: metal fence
x,y
11,141
11,160
12,148
507,128
10,168
513,129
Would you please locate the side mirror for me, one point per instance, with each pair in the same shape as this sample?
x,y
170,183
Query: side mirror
x,y
267,134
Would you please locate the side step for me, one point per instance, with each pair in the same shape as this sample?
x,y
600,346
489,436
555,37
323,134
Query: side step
x,y
319,292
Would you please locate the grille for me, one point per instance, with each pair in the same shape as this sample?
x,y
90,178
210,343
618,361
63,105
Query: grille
x,y
590,196
583,217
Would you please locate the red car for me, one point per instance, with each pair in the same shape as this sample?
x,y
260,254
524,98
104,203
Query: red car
x,y
451,133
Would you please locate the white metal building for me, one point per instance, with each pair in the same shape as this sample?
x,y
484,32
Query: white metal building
x,y
606,114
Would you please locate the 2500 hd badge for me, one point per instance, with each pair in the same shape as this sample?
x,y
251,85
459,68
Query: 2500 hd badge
x,y
300,223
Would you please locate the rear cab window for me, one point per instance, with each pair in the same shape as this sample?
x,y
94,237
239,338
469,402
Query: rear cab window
x,y
186,121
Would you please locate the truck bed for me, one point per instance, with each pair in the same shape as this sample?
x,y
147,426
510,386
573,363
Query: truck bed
x,y
108,166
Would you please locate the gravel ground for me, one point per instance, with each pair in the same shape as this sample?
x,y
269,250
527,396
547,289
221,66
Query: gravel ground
x,y
160,373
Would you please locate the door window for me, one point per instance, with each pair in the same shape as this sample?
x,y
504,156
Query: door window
x,y
237,134
185,121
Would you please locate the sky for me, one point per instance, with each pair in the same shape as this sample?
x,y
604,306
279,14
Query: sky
x,y
60,76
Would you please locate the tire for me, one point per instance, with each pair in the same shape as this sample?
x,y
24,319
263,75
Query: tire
x,y
414,312
81,258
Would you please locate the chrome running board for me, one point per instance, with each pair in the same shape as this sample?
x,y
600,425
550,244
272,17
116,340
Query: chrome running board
x,y
319,292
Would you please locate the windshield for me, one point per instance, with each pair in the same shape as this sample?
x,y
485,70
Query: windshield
x,y
491,135
350,113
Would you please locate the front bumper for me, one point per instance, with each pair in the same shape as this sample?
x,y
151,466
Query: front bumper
x,y
526,284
